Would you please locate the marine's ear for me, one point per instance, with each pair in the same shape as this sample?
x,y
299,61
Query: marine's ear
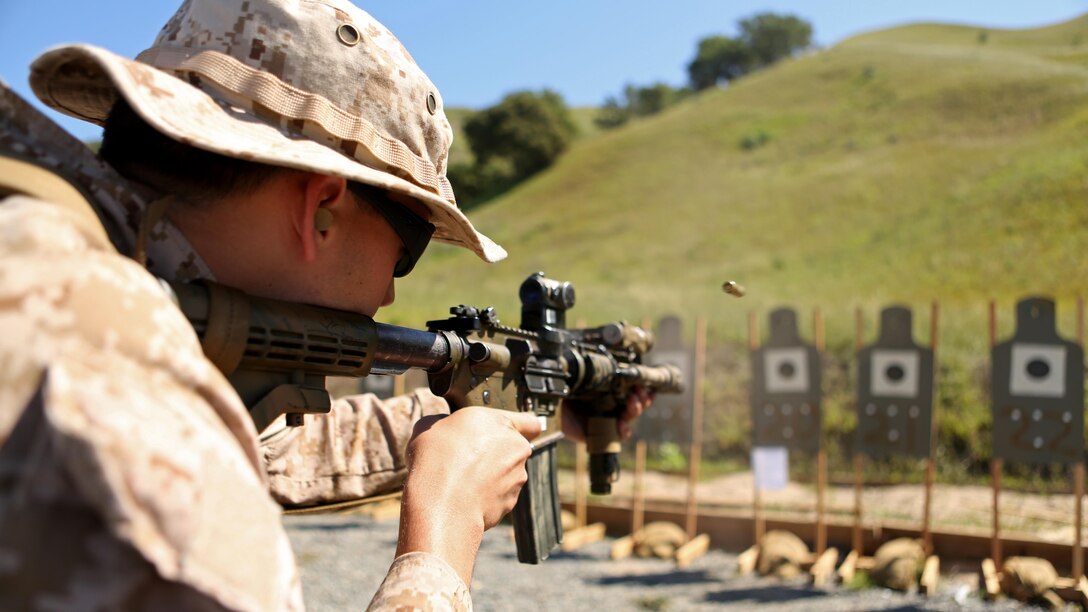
x,y
313,213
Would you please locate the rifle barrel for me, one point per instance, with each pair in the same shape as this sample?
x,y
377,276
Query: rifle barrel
x,y
401,348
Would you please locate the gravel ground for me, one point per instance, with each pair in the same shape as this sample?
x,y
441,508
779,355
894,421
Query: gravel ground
x,y
343,559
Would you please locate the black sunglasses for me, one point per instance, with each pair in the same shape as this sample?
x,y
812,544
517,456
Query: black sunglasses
x,y
413,231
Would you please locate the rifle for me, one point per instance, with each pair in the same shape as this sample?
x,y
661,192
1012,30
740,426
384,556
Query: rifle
x,y
277,355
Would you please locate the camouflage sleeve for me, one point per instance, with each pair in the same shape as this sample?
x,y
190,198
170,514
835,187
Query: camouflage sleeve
x,y
421,581
130,476
355,451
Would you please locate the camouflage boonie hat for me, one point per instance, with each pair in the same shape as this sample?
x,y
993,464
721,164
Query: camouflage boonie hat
x,y
316,85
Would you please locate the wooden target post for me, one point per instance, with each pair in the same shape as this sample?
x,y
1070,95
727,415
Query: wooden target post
x,y
931,460
821,454
582,533
623,547
758,523
996,465
638,503
696,546
1037,409
895,396
1078,475
695,455
857,545
785,402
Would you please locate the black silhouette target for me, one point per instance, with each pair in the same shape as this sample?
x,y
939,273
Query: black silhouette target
x,y
786,388
1038,390
670,418
895,391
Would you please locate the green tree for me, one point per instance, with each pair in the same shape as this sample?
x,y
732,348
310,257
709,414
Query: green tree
x,y
476,183
645,101
527,129
771,37
612,114
719,59
638,102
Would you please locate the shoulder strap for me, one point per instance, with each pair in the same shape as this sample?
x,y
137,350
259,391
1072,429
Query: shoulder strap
x,y
33,146
21,177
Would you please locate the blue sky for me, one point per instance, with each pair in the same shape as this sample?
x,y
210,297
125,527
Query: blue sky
x,y
476,51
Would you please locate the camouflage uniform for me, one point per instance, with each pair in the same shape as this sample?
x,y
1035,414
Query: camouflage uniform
x,y
131,475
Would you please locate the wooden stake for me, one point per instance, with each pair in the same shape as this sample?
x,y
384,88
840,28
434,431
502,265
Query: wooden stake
x,y
758,525
931,573
580,480
821,455
588,534
848,568
857,545
696,424
746,561
399,383
996,463
931,463
692,550
823,570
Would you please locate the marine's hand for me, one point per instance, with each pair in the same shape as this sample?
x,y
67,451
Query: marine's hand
x,y
465,471
638,401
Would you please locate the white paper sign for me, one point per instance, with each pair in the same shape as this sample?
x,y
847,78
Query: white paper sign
x,y
771,467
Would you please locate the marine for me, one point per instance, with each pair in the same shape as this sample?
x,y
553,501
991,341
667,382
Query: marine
x,y
262,144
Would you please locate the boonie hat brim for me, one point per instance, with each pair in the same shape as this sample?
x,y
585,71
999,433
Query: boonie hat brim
x,y
84,81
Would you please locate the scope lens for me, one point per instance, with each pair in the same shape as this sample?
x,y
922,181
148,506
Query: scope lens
x,y
567,295
531,292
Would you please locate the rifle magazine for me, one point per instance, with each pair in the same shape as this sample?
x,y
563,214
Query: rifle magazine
x,y
538,527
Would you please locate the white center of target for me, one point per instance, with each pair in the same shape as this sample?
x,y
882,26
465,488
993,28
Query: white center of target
x,y
893,410
1038,370
870,409
787,432
1015,415
894,373
893,435
914,412
785,370
805,409
1038,442
1067,417
1036,414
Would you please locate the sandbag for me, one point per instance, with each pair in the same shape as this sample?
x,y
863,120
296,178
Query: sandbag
x,y
660,539
898,563
781,554
1027,578
568,519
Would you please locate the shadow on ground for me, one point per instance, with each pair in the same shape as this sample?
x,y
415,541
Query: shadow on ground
x,y
664,578
771,593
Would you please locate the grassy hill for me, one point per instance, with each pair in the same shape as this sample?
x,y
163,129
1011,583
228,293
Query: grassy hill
x,y
920,163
